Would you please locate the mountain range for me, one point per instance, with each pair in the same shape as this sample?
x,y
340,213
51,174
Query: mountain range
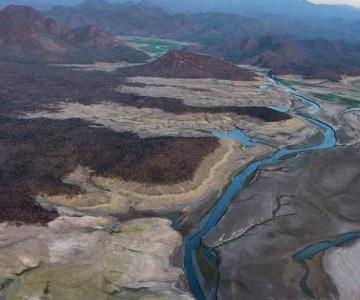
x,y
26,35
316,58
147,19
292,8
122,19
85,33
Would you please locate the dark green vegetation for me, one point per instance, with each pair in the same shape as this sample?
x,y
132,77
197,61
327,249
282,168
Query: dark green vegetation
x,y
347,101
36,154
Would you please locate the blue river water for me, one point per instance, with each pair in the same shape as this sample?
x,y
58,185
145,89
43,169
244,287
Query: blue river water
x,y
193,241
237,134
313,250
239,182
315,106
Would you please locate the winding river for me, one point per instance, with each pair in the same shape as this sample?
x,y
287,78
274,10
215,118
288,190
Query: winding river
x,y
193,241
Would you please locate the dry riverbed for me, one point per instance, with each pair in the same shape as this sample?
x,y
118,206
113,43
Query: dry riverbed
x,y
91,258
85,252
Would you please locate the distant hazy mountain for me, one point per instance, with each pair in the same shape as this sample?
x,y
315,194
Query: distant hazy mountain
x,y
26,35
122,19
40,4
295,8
290,8
312,58
146,19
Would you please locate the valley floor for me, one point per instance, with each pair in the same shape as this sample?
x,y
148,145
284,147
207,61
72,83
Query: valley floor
x,y
105,178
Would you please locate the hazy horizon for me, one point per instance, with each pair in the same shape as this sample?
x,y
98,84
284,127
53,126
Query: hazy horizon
x,y
355,3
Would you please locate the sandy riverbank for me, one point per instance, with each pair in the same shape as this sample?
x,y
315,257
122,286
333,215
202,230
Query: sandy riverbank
x,y
113,195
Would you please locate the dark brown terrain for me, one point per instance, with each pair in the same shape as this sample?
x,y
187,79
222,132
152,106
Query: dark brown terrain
x,y
35,87
36,154
177,64
25,35
177,106
313,58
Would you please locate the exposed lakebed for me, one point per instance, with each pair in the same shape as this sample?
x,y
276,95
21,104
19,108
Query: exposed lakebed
x,y
196,250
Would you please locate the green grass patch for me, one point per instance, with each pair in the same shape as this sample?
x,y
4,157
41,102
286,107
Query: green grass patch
x,y
293,83
347,101
357,83
154,47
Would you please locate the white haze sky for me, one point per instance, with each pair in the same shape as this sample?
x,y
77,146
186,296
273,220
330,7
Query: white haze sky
x,y
350,2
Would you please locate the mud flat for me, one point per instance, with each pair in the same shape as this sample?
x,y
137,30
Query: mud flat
x,y
98,66
148,122
342,265
351,119
88,258
286,208
209,92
